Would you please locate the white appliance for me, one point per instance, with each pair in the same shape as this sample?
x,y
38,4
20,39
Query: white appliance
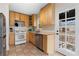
x,y
20,35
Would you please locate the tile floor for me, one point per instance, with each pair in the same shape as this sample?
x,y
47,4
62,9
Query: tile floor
x,y
27,50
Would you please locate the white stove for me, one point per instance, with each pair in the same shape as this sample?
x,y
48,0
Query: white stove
x,y
20,35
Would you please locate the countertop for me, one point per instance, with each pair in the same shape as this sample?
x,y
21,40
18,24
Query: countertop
x,y
45,33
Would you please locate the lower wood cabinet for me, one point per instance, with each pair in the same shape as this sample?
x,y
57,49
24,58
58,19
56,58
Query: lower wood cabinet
x,y
45,43
32,37
11,39
49,44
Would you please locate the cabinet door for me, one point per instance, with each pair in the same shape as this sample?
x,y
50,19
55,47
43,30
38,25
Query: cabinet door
x,y
11,39
32,20
33,38
17,16
26,20
45,43
43,17
47,15
50,14
12,20
30,37
22,17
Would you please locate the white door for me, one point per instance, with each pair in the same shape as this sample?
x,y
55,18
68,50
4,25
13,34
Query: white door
x,y
65,32
60,37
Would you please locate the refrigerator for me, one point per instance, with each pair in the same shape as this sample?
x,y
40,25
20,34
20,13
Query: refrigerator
x,y
2,35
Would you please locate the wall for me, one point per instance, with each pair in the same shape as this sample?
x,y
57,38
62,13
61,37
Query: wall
x,y
4,8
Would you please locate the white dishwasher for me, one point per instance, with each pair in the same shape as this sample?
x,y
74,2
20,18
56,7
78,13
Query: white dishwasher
x,y
20,35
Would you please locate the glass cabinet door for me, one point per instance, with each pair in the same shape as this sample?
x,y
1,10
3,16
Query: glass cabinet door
x,y
62,30
70,44
67,30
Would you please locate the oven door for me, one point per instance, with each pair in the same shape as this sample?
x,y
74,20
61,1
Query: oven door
x,y
20,38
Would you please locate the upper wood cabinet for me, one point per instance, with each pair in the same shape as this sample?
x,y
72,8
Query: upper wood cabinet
x,y
43,16
50,14
33,21
17,16
27,21
20,17
11,14
25,18
47,15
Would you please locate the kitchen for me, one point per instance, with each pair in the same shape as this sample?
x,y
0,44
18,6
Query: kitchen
x,y
42,29
24,29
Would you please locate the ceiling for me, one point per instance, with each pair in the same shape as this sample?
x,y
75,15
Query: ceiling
x,y
27,8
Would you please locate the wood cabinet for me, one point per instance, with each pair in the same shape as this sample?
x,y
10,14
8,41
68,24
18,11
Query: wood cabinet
x,y
12,21
45,43
23,18
50,14
13,16
11,39
47,15
32,37
27,21
17,16
20,17
43,17
32,21
49,44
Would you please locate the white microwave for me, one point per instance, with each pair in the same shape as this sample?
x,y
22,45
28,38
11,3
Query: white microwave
x,y
19,24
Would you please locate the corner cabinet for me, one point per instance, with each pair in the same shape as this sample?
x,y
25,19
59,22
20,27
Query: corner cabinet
x,y
47,15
